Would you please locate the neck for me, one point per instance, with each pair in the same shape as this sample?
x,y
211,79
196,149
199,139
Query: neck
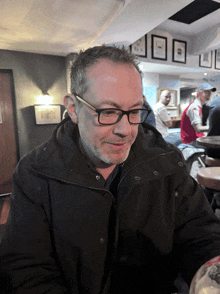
x,y
105,172
102,169
202,102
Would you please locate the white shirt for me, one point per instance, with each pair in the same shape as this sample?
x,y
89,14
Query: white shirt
x,y
161,115
194,112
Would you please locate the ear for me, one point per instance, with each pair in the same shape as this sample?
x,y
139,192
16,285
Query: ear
x,y
70,103
144,99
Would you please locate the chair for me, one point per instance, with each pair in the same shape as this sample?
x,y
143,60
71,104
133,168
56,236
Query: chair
x,y
210,161
209,177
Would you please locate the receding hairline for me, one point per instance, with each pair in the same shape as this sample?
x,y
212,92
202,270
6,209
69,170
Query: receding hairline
x,y
164,93
112,62
85,60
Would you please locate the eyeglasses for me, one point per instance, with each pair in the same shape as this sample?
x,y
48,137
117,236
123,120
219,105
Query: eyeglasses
x,y
110,116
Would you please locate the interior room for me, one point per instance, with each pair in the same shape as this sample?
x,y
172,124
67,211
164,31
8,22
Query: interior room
x,y
177,44
40,38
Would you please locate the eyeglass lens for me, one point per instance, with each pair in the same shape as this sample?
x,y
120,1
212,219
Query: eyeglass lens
x,y
111,116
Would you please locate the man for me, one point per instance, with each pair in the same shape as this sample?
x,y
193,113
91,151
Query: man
x,y
105,205
163,121
151,117
214,125
191,126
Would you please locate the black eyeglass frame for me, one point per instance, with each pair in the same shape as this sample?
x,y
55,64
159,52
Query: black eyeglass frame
x,y
123,112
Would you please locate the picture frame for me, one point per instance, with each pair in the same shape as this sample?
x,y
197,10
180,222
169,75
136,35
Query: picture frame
x,y
139,47
205,59
47,114
158,47
179,51
217,59
173,100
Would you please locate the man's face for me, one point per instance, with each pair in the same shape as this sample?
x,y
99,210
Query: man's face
x,y
204,96
166,98
110,86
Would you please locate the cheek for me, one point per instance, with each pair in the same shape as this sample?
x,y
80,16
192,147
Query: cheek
x,y
134,132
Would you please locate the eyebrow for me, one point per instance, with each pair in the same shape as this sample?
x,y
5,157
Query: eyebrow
x,y
118,106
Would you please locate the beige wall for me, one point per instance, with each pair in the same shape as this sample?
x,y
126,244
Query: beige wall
x,y
34,73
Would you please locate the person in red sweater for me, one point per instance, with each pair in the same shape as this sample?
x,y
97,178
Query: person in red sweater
x,y
191,126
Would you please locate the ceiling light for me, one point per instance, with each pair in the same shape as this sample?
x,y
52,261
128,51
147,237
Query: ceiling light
x,y
205,73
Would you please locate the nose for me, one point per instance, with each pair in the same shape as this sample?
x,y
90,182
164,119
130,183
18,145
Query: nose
x,y
123,127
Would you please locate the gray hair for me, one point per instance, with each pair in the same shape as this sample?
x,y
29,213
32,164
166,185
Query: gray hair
x,y
92,55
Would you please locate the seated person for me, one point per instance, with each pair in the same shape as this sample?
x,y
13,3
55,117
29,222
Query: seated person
x,y
191,126
163,120
105,206
151,117
162,117
214,126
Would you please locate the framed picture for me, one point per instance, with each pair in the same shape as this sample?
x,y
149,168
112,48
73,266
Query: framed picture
x,y
179,51
217,59
205,59
47,114
173,100
159,47
140,47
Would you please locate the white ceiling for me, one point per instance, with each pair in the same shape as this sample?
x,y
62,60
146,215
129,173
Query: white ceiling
x,y
60,27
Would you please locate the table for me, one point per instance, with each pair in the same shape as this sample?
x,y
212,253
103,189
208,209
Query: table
x,y
209,141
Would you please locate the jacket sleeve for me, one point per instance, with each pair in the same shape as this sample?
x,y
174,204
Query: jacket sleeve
x,y
197,234
28,264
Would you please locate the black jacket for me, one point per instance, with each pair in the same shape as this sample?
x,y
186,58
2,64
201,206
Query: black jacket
x,y
56,237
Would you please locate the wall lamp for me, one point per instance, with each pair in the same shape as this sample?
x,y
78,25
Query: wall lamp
x,y
44,98
45,111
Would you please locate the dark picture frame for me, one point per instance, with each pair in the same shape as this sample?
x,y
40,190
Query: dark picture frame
x,y
47,114
205,59
158,47
139,47
217,59
179,51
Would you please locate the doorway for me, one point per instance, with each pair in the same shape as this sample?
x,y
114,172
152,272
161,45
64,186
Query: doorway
x,y
8,132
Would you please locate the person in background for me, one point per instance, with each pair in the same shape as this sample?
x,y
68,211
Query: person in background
x,y
191,126
205,113
214,126
105,205
163,120
151,117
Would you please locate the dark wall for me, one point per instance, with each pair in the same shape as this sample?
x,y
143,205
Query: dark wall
x,y
32,74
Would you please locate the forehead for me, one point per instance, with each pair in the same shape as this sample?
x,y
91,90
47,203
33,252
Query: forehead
x,y
207,91
165,93
113,77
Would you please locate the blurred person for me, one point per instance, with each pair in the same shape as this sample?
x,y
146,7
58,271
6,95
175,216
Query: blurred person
x,y
191,126
105,205
214,126
151,117
162,117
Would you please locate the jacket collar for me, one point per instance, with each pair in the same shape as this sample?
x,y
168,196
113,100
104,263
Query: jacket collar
x,y
61,158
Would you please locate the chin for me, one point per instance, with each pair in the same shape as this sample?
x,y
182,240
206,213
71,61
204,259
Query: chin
x,y
117,160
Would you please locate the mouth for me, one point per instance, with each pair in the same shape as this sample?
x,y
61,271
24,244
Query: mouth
x,y
118,144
